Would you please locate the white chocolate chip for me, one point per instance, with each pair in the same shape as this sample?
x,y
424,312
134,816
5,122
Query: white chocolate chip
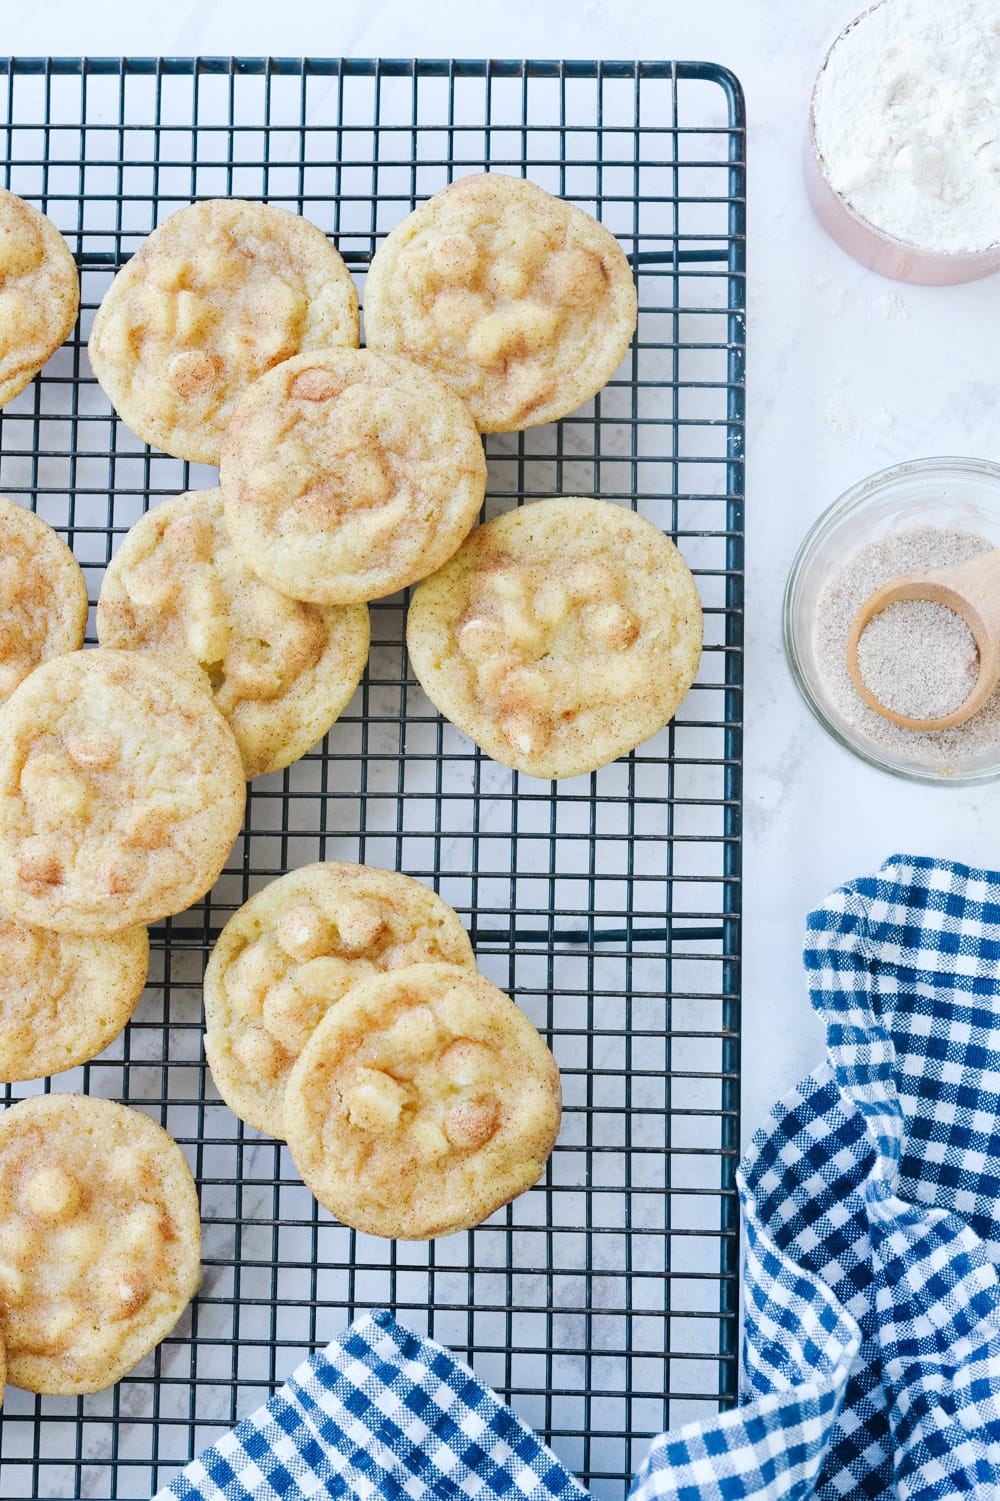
x,y
551,603
411,1039
193,372
360,925
305,932
260,1053
92,748
328,978
471,1123
127,1166
466,1061
374,1101
430,1140
294,1009
123,1290
142,1230
314,385
252,974
519,330
151,586
612,625
481,635
453,259
51,1194
194,317
208,638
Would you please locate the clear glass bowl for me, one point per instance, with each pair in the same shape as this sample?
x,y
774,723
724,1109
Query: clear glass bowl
x,y
954,494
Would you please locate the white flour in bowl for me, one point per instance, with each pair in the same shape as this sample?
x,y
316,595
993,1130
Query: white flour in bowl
x,y
907,121
904,641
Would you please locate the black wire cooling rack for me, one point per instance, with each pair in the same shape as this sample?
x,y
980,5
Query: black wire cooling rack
x,y
604,1302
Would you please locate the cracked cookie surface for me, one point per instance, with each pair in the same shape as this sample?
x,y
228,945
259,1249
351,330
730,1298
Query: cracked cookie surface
x,y
217,294
522,303
297,948
100,1240
279,670
121,793
43,595
423,1102
559,636
347,476
39,292
63,999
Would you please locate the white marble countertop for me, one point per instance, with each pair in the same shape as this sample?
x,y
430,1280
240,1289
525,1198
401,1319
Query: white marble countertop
x,y
847,373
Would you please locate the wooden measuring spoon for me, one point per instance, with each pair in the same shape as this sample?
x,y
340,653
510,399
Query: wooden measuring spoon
x,y
972,590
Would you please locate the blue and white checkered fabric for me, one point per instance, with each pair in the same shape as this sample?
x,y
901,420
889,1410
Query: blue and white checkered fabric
x,y
870,1199
380,1413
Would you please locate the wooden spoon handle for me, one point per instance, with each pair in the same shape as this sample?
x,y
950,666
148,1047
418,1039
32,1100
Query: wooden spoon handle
x,y
978,581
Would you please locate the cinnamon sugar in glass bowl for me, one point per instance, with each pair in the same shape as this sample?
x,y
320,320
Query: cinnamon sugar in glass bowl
x,y
879,250
950,494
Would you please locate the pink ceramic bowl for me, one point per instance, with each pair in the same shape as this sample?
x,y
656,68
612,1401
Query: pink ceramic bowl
x,y
872,247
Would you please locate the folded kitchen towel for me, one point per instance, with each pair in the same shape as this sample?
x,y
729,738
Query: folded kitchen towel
x,y
872,1324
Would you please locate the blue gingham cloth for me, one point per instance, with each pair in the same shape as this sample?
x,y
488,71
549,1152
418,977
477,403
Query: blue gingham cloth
x,y
872,1328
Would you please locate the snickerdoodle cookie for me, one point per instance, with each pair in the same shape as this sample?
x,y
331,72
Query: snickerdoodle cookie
x,y
39,292
293,950
121,793
423,1101
64,998
521,302
219,293
559,636
43,595
279,670
348,475
100,1240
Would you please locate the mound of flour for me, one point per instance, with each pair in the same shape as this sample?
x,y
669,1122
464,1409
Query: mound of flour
x,y
907,117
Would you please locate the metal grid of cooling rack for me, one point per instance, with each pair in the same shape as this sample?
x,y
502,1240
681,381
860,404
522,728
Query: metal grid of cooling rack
x,y
603,1303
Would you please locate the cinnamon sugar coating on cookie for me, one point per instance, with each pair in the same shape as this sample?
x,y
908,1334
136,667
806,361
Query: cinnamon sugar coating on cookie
x,y
347,476
280,671
296,949
39,292
43,595
522,303
559,636
422,1102
121,793
63,999
99,1240
219,293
